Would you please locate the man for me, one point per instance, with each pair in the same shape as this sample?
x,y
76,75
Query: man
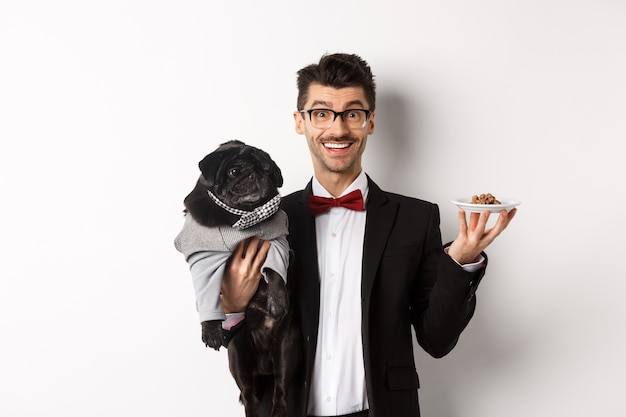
x,y
363,275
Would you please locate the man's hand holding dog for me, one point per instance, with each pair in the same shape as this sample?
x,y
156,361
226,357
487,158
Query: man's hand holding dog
x,y
242,274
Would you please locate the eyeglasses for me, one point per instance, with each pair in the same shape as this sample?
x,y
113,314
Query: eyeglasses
x,y
324,118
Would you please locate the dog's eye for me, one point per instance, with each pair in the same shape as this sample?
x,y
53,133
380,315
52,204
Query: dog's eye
x,y
233,172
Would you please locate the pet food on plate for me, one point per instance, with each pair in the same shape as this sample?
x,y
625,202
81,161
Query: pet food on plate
x,y
484,199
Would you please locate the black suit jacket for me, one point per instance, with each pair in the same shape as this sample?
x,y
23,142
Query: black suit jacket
x,y
407,280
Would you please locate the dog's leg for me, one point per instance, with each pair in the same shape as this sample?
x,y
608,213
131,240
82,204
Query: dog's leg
x,y
277,297
212,333
241,359
286,355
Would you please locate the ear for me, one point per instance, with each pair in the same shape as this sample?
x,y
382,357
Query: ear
x,y
299,119
275,173
370,129
210,165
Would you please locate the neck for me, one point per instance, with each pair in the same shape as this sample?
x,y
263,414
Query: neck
x,y
336,182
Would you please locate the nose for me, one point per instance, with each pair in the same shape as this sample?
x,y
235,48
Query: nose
x,y
338,127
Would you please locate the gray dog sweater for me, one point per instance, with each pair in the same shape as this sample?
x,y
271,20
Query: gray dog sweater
x,y
206,250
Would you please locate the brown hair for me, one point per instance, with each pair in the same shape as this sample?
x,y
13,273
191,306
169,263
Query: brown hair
x,y
338,71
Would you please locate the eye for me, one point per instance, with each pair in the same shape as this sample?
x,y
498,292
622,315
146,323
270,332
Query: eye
x,y
233,172
321,114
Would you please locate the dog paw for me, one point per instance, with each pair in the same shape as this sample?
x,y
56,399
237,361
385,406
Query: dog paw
x,y
212,334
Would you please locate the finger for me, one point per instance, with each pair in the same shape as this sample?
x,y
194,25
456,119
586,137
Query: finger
x,y
462,222
261,254
240,250
249,244
482,222
504,219
245,245
510,216
253,246
475,219
259,245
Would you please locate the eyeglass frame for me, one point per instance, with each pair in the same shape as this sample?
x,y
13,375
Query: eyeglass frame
x,y
335,114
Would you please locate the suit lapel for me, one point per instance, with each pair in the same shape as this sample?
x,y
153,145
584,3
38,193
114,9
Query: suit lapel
x,y
381,214
309,283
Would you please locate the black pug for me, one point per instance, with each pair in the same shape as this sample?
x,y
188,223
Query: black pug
x,y
236,197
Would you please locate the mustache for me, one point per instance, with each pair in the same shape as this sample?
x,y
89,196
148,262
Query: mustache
x,y
332,138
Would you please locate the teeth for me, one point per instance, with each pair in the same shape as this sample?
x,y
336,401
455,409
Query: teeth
x,y
336,145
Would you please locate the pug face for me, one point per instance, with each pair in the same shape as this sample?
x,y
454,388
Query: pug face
x,y
241,176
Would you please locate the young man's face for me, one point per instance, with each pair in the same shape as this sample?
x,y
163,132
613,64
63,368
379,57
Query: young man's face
x,y
336,149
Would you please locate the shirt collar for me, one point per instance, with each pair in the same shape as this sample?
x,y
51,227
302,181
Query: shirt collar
x,y
359,183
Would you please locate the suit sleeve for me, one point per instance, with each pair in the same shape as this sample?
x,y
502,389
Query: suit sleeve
x,y
443,295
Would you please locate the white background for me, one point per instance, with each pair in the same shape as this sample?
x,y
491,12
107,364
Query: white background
x,y
107,106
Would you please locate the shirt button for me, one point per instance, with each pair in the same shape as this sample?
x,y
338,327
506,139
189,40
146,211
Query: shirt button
x,y
328,399
329,356
333,234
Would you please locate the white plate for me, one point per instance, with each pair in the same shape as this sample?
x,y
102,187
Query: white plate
x,y
466,204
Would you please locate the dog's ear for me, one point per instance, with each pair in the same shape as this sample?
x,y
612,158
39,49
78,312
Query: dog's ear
x,y
211,164
275,173
270,166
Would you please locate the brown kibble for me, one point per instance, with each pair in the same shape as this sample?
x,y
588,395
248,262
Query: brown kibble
x,y
484,199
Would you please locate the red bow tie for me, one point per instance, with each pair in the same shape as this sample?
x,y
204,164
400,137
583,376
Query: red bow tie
x,y
352,201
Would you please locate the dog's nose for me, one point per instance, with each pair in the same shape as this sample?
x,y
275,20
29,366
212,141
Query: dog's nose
x,y
252,176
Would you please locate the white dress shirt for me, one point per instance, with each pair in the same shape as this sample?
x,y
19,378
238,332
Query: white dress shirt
x,y
338,380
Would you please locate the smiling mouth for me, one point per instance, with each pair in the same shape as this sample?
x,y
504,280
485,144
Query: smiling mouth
x,y
336,145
